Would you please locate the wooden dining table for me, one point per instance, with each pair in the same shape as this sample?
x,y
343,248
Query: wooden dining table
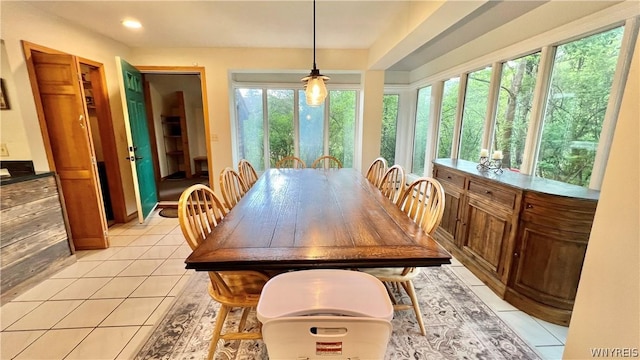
x,y
308,218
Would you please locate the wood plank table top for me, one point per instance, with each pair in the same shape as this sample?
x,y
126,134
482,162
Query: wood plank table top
x,y
307,218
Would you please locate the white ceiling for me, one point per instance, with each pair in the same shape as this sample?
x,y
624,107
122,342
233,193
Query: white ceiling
x,y
346,24
233,23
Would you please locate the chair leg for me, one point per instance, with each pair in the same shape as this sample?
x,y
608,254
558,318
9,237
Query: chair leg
x,y
416,306
217,329
388,286
396,286
243,319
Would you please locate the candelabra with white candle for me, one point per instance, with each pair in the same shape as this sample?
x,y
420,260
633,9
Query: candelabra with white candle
x,y
495,164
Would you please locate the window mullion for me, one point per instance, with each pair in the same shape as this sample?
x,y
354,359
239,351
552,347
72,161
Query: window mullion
x,y
265,126
357,138
457,127
296,122
327,106
435,116
492,106
431,150
538,107
615,99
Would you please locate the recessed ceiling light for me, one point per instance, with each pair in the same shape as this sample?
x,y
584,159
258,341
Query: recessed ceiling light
x,y
132,24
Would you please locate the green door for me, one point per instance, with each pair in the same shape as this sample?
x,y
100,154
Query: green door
x,y
138,138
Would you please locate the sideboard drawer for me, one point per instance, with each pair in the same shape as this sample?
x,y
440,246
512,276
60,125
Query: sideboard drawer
x,y
496,194
562,213
454,178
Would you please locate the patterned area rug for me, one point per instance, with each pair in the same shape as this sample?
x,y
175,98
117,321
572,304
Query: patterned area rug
x,y
459,326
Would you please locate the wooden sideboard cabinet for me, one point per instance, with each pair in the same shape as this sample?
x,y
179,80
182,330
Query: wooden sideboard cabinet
x,y
525,237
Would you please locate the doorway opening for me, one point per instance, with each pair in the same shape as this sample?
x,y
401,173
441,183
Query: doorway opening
x,y
177,131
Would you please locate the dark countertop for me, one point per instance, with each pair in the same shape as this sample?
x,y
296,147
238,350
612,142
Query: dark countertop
x,y
21,178
521,181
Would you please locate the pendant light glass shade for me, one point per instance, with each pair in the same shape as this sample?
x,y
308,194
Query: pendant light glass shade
x,y
314,88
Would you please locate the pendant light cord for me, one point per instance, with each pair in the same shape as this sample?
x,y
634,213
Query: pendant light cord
x,y
314,34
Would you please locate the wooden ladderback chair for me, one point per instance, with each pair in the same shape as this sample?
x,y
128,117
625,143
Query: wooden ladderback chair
x,y
291,162
199,212
376,171
232,187
423,202
326,162
247,173
393,183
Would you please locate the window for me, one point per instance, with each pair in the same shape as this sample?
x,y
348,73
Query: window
x,y
448,117
311,127
280,119
420,130
342,125
576,104
250,126
513,113
389,125
305,136
474,113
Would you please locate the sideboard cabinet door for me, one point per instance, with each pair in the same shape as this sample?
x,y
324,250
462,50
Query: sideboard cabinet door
x,y
549,253
453,184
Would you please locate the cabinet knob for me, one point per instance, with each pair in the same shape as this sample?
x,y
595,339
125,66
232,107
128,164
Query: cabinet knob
x,y
487,192
449,177
515,254
529,206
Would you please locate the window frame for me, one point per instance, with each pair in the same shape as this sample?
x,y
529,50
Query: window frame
x,y
546,44
296,88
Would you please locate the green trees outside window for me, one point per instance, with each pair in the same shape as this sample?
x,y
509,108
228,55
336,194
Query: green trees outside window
x,y
448,117
576,104
420,130
342,125
311,129
280,120
474,113
389,126
311,140
513,113
250,126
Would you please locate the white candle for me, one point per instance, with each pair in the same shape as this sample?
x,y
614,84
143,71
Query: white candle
x,y
497,155
484,153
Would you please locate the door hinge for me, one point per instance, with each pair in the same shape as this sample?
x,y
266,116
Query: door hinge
x,y
93,160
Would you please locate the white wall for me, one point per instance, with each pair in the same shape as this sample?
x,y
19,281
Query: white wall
x,y
12,131
20,21
607,308
220,62
372,104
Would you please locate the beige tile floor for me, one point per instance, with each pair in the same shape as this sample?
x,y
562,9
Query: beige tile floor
x,y
105,305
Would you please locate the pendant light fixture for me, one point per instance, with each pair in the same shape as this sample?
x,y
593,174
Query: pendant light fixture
x,y
314,88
